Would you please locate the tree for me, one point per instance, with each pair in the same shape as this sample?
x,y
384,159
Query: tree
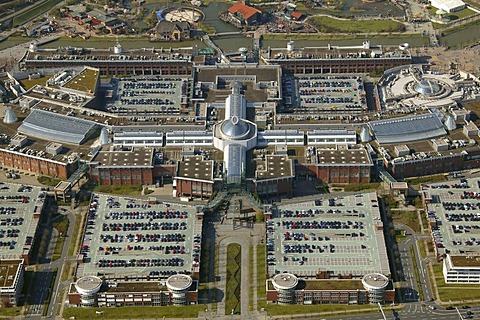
x,y
56,13
259,217
151,20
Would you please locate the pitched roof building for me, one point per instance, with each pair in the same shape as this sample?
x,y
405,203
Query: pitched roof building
x,y
171,31
244,14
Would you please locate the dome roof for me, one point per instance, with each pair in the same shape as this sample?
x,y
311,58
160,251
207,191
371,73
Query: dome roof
x,y
235,127
427,87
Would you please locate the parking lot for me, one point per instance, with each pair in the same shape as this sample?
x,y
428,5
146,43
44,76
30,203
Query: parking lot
x,y
340,236
129,237
453,213
154,95
328,93
20,208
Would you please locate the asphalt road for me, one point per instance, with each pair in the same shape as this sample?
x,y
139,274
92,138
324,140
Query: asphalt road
x,y
44,277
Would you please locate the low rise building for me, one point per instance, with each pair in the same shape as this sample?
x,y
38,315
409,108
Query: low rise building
x,y
123,167
373,288
274,176
11,281
461,269
171,31
339,165
240,14
194,177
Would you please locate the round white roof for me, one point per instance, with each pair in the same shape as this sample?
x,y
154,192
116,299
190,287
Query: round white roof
x,y
375,281
179,282
285,281
88,284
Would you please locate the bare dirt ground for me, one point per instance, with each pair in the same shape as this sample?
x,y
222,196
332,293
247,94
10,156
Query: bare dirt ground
x,y
465,59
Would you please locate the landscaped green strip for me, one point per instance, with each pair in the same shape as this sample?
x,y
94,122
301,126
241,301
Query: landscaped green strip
x,y
34,12
460,27
275,309
232,291
417,275
427,179
331,25
261,278
134,312
252,289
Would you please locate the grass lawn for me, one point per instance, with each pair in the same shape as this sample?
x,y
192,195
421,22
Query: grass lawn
x,y
75,233
234,277
427,179
261,278
416,273
353,187
48,181
409,218
460,27
330,25
57,251
275,309
454,15
10,312
252,289
454,292
134,312
35,11
133,190
27,84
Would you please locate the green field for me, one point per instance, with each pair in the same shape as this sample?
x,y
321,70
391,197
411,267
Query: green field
x,y
330,25
35,11
409,218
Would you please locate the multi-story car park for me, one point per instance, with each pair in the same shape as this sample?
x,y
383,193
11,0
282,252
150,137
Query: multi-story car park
x,y
135,246
452,209
335,247
20,209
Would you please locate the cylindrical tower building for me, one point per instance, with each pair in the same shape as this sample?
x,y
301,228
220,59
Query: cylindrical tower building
x,y
178,286
285,284
88,287
375,284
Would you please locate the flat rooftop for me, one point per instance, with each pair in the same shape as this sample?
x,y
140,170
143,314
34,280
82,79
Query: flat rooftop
x,y
466,261
126,237
17,222
138,157
337,94
195,168
150,95
274,166
261,73
343,157
85,81
339,236
454,209
8,272
144,55
336,284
